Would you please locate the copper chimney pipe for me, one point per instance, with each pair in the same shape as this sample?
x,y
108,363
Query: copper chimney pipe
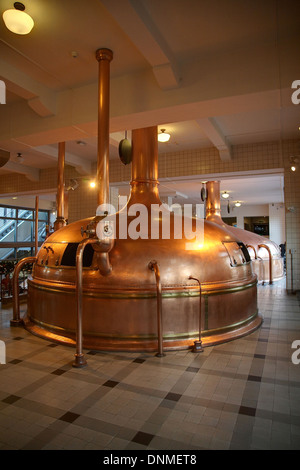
x,y
144,172
60,219
36,229
213,205
104,57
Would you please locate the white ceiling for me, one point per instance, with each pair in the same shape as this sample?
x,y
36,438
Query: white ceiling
x,y
212,73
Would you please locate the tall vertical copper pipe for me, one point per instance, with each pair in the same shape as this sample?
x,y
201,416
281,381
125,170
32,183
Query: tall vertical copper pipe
x,y
144,173
213,204
104,57
60,219
36,230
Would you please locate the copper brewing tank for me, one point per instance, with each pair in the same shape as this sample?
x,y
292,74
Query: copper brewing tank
x,y
267,262
125,284
119,310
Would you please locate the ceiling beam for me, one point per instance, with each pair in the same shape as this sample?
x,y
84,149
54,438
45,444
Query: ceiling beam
x,y
136,22
40,98
33,174
215,135
81,165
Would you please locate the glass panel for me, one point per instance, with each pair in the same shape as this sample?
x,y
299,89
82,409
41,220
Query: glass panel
x,y
24,252
7,253
25,232
43,215
25,214
7,231
7,212
42,231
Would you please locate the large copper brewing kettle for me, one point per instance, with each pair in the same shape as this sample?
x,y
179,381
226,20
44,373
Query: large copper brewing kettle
x,y
119,306
267,261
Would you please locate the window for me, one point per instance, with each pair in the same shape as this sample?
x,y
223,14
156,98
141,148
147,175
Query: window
x,y
17,226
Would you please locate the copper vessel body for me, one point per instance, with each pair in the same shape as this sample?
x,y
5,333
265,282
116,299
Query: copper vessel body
x,y
120,309
260,248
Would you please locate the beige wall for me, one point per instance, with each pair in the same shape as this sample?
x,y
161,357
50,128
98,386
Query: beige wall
x,y
250,157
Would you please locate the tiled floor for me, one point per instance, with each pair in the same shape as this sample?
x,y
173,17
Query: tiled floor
x,y
241,395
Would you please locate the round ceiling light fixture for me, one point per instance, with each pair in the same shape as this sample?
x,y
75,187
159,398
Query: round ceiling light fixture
x,y
237,204
225,195
163,136
17,21
294,163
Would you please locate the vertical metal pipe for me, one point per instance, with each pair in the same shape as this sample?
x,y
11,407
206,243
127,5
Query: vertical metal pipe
x,y
292,273
79,356
16,321
36,230
60,219
153,266
263,269
144,169
198,343
213,202
270,261
66,206
104,57
145,155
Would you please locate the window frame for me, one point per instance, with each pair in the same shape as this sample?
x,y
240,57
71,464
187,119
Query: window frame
x,y
16,245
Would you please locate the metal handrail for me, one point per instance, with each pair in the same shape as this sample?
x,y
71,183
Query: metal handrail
x,y
16,321
263,269
79,356
198,343
251,246
270,261
153,266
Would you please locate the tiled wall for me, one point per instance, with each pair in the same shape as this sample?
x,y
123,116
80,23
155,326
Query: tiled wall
x,y
250,157
292,217
277,223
